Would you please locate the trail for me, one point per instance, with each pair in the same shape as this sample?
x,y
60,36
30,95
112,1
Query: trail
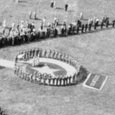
x,y
7,63
70,69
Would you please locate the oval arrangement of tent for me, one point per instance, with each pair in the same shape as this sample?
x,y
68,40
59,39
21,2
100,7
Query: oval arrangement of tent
x,y
49,67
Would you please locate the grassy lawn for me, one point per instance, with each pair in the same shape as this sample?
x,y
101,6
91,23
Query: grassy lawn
x,y
95,51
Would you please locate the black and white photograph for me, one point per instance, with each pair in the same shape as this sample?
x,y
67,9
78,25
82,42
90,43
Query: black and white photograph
x,y
57,57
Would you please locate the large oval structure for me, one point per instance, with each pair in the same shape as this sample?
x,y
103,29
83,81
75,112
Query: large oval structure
x,y
49,67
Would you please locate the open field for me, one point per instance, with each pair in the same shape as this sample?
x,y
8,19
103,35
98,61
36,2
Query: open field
x,y
95,51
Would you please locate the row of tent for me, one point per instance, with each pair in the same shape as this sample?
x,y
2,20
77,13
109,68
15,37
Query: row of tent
x,y
64,30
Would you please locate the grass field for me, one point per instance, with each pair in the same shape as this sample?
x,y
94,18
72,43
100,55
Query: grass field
x,y
95,51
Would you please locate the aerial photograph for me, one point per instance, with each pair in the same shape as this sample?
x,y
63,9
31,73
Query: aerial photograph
x,y
57,57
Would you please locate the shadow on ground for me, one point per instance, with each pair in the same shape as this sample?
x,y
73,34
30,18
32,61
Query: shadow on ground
x,y
1,67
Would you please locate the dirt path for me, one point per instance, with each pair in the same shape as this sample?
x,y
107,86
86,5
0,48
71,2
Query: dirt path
x,y
6,63
70,69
